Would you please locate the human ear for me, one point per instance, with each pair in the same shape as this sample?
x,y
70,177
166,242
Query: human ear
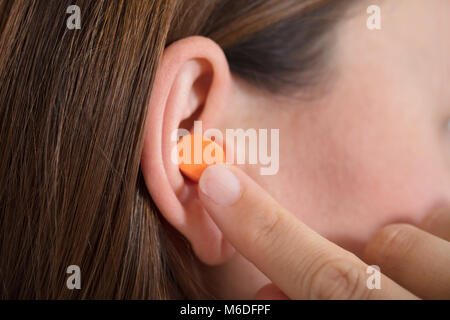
x,y
192,82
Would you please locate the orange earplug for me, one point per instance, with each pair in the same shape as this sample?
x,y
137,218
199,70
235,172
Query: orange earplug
x,y
196,153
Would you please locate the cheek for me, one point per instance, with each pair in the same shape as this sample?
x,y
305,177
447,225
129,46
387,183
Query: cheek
x,y
398,188
391,181
357,171
377,192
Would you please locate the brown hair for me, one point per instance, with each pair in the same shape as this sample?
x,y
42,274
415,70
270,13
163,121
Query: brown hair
x,y
72,110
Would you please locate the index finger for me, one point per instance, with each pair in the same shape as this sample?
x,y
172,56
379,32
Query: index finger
x,y
299,261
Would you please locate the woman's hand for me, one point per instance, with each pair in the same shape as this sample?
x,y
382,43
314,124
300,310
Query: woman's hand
x,y
304,265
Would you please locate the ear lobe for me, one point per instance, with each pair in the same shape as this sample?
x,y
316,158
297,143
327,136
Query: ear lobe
x,y
193,74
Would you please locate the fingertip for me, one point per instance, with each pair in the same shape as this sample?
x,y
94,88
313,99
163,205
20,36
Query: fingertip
x,y
219,185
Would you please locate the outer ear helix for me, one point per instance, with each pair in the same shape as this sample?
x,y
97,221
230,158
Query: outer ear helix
x,y
196,153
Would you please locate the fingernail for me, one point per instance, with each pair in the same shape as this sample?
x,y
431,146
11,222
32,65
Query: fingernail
x,y
220,185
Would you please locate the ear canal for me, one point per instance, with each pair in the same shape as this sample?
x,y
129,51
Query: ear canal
x,y
196,153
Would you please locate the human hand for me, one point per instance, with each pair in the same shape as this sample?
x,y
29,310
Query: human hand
x,y
304,265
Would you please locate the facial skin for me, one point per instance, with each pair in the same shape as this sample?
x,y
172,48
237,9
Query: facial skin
x,y
372,150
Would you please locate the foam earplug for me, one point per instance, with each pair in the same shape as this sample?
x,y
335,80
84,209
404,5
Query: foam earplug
x,y
196,153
